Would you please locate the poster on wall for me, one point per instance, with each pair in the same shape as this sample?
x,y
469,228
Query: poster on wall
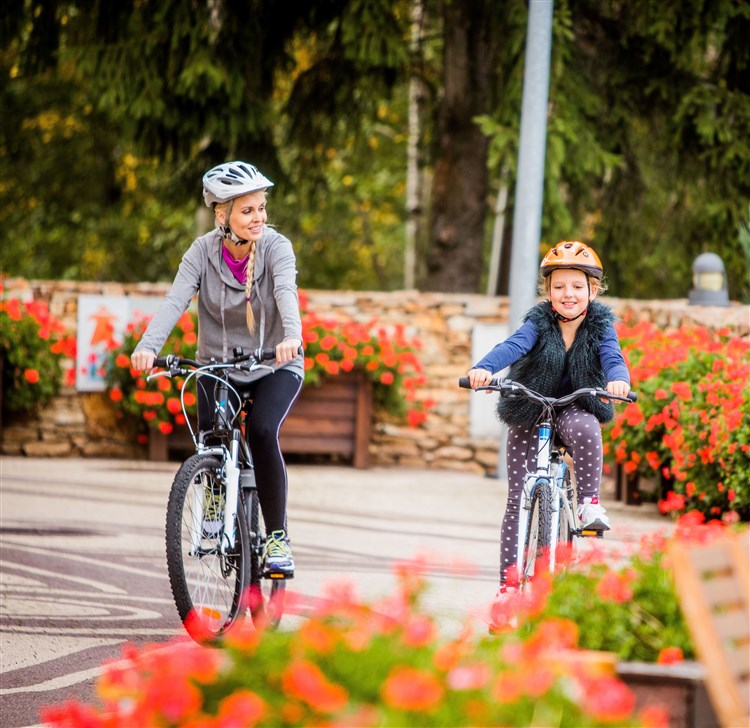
x,y
102,321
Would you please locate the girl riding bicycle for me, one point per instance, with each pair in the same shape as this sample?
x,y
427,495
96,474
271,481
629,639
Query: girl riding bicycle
x,y
565,343
246,274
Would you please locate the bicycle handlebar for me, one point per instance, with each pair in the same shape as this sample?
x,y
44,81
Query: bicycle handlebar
x,y
174,363
508,388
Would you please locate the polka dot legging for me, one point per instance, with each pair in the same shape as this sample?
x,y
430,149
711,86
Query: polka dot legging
x,y
582,434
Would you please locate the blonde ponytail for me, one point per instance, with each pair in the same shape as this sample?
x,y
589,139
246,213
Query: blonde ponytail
x,y
249,270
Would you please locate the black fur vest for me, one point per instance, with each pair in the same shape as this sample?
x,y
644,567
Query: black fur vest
x,y
543,367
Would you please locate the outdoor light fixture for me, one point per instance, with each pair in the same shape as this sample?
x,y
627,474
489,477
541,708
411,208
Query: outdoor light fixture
x,y
709,282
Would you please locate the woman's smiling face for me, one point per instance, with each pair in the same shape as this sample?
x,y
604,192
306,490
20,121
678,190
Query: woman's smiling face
x,y
569,292
248,216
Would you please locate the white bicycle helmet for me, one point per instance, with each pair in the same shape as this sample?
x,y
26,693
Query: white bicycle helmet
x,y
230,180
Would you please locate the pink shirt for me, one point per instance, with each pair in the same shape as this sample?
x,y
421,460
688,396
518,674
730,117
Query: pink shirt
x,y
238,268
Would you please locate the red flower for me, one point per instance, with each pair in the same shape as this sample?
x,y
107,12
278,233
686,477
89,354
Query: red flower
x,y
305,680
407,688
670,656
682,390
165,428
615,587
115,395
31,376
241,708
608,699
122,361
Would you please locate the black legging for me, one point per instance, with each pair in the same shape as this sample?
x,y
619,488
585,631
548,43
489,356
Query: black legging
x,y
273,396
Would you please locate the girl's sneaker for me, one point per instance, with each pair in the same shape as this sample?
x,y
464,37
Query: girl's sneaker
x,y
593,516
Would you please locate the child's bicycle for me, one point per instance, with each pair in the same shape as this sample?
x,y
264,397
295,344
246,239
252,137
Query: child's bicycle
x,y
548,515
214,530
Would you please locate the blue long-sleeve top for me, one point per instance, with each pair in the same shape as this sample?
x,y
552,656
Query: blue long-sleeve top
x,y
522,341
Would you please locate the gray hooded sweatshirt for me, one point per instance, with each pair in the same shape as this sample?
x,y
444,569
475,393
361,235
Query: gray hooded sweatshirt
x,y
221,301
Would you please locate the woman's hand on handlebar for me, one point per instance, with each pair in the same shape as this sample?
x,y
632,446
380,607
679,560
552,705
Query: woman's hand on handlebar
x,y
288,350
142,360
479,378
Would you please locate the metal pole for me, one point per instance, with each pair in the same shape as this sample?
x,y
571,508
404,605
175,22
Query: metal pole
x,y
527,215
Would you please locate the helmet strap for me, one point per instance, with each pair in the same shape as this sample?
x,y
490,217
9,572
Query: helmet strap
x,y
227,230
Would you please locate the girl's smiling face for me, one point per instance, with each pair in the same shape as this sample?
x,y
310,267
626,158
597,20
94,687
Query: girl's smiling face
x,y
569,292
248,216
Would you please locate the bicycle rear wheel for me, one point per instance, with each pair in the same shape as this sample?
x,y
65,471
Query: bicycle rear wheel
x,y
208,583
538,535
266,599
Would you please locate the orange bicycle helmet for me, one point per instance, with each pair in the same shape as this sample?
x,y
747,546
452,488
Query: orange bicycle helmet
x,y
572,254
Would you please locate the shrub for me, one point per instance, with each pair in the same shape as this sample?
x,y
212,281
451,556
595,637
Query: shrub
x,y
154,405
33,346
691,424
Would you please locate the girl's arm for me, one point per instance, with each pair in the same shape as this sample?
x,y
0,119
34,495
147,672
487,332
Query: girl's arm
x,y
513,348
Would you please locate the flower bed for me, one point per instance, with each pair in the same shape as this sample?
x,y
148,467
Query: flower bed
x,y
33,347
691,424
384,354
332,347
387,664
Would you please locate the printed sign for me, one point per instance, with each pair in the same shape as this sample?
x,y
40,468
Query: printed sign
x,y
102,321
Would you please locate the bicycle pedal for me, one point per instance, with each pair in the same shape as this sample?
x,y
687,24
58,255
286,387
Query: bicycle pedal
x,y
590,533
277,575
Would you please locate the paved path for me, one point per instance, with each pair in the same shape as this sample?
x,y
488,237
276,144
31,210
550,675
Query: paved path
x,y
82,567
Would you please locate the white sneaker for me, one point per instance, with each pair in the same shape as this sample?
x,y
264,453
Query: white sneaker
x,y
593,516
504,608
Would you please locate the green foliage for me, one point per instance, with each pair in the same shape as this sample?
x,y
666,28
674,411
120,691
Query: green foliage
x,y
632,611
33,345
648,153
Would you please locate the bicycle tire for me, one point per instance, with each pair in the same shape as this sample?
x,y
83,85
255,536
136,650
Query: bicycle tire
x,y
266,600
538,530
206,585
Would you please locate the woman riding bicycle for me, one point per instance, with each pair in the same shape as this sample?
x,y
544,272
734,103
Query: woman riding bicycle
x,y
246,274
565,343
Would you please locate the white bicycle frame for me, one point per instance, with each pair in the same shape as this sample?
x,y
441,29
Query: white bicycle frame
x,y
228,456
550,473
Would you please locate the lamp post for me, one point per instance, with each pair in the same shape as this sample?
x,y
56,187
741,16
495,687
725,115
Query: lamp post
x,y
709,281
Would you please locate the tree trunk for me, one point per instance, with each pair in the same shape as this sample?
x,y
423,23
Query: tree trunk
x,y
414,173
460,185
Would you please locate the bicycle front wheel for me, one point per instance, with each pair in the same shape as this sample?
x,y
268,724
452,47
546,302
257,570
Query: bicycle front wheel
x,y
266,599
209,580
538,537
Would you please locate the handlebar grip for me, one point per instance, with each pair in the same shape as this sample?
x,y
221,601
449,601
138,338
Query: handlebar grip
x,y
161,362
266,354
632,396
463,382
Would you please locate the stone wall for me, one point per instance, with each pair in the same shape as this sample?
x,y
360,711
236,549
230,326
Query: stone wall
x,y
84,424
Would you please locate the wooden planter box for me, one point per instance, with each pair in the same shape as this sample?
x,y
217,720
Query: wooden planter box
x,y
679,687
334,418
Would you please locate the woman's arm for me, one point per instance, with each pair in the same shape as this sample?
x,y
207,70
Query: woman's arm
x,y
185,285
